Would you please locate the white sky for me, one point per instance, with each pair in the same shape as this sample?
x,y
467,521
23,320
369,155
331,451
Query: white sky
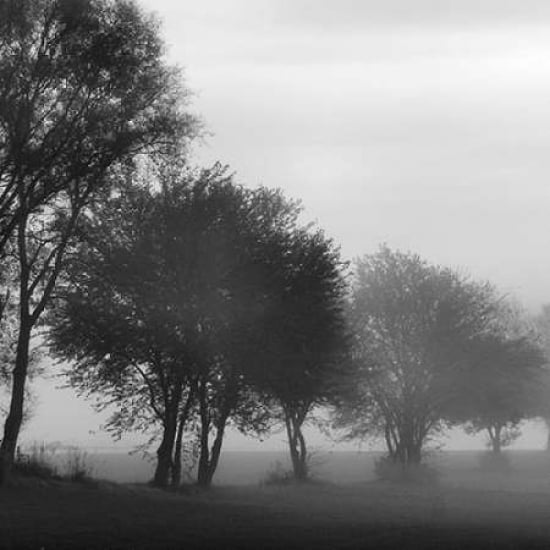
x,y
421,124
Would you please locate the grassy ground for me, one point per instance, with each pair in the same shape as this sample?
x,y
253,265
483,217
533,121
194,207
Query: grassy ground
x,y
491,512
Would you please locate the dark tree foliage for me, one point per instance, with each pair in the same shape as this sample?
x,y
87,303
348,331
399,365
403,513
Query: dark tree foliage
x,y
83,86
413,324
303,338
164,287
500,386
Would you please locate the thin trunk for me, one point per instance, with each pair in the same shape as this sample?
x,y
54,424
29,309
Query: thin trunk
x,y
176,466
214,454
209,458
14,419
202,474
495,438
15,415
164,454
297,446
303,472
389,443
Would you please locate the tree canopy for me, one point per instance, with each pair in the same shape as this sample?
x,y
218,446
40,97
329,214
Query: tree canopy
x,y
414,324
165,289
83,87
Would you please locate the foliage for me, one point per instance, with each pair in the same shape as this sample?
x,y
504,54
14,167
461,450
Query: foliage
x,y
163,291
497,391
83,87
278,475
541,395
303,338
387,469
77,467
37,462
413,327
82,84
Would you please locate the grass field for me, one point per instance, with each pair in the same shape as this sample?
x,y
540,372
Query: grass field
x,y
468,508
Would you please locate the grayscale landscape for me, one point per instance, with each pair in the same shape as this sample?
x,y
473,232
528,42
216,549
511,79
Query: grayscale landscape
x,y
274,274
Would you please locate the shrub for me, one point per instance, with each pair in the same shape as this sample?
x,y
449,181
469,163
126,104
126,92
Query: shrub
x,y
38,462
77,467
387,469
278,475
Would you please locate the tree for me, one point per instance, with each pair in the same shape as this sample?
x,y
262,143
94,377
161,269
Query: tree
x,y
413,324
164,286
8,336
499,388
83,86
542,395
303,337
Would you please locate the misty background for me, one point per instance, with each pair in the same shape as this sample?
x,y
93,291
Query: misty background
x,y
424,126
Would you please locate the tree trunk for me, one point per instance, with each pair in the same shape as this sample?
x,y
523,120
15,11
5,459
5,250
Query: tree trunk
x,y
209,458
495,437
204,456
389,442
164,454
15,414
176,464
414,454
297,446
212,463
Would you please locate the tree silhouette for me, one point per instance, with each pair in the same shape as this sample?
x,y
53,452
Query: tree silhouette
x,y
413,326
303,338
164,290
83,86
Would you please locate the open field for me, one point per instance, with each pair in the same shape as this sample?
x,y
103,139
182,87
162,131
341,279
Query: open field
x,y
467,509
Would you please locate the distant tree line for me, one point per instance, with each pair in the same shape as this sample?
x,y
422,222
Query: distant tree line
x,y
189,304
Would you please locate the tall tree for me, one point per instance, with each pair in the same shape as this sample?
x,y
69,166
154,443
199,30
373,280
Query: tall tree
x,y
501,385
413,325
83,86
165,283
303,338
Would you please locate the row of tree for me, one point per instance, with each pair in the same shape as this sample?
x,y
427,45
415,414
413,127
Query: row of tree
x,y
191,303
199,305
432,348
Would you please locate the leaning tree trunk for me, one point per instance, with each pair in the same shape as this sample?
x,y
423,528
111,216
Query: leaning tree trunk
x,y
15,415
164,453
166,447
209,458
297,444
14,419
209,461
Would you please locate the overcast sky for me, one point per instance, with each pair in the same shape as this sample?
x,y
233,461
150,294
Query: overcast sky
x,y
424,124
